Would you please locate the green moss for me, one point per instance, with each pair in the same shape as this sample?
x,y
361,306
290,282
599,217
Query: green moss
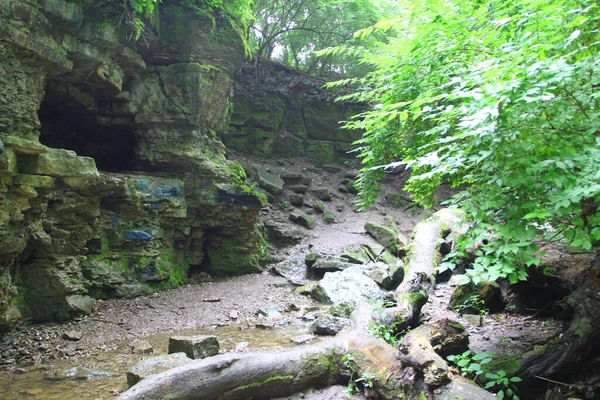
x,y
316,364
273,378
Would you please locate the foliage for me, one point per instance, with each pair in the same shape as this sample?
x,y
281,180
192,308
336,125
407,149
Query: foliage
x,y
501,380
473,302
499,99
290,30
469,364
385,331
356,384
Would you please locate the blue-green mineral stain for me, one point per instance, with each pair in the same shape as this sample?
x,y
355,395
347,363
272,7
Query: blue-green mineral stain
x,y
137,234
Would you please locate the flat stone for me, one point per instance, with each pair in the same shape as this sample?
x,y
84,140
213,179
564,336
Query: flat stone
x,y
36,181
155,365
266,180
330,264
195,347
302,219
59,163
302,339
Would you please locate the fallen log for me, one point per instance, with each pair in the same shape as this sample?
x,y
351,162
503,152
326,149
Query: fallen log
x,y
422,258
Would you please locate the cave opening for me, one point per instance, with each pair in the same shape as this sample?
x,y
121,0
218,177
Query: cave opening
x,y
74,120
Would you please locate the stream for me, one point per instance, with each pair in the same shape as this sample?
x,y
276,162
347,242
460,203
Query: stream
x,y
102,375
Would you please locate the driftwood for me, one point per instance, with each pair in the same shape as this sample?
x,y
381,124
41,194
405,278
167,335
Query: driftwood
x,y
415,369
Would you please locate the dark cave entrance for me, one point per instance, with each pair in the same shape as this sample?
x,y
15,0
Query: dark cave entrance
x,y
71,121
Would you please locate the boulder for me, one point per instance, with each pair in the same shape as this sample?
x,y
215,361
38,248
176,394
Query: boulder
x,y
195,347
302,219
283,233
350,284
155,365
388,235
329,264
327,324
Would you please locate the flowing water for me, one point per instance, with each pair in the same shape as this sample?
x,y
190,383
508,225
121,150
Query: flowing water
x,y
102,376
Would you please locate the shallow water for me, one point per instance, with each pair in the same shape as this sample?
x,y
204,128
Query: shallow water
x,y
103,374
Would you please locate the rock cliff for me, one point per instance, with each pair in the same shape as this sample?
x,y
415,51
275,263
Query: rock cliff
x,y
113,180
285,113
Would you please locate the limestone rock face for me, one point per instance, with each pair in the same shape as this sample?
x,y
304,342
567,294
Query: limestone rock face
x,y
113,179
289,117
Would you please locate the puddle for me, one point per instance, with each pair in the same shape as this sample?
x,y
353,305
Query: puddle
x,y
103,375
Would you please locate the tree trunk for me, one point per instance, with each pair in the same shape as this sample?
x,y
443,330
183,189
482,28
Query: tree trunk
x,y
578,342
422,258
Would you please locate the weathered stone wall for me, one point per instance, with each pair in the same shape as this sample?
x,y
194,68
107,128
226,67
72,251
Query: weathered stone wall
x,y
284,113
149,114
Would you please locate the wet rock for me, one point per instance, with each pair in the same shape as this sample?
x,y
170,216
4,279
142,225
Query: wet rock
x,y
139,346
292,178
61,374
343,189
195,347
90,374
302,219
72,336
266,180
328,325
155,365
